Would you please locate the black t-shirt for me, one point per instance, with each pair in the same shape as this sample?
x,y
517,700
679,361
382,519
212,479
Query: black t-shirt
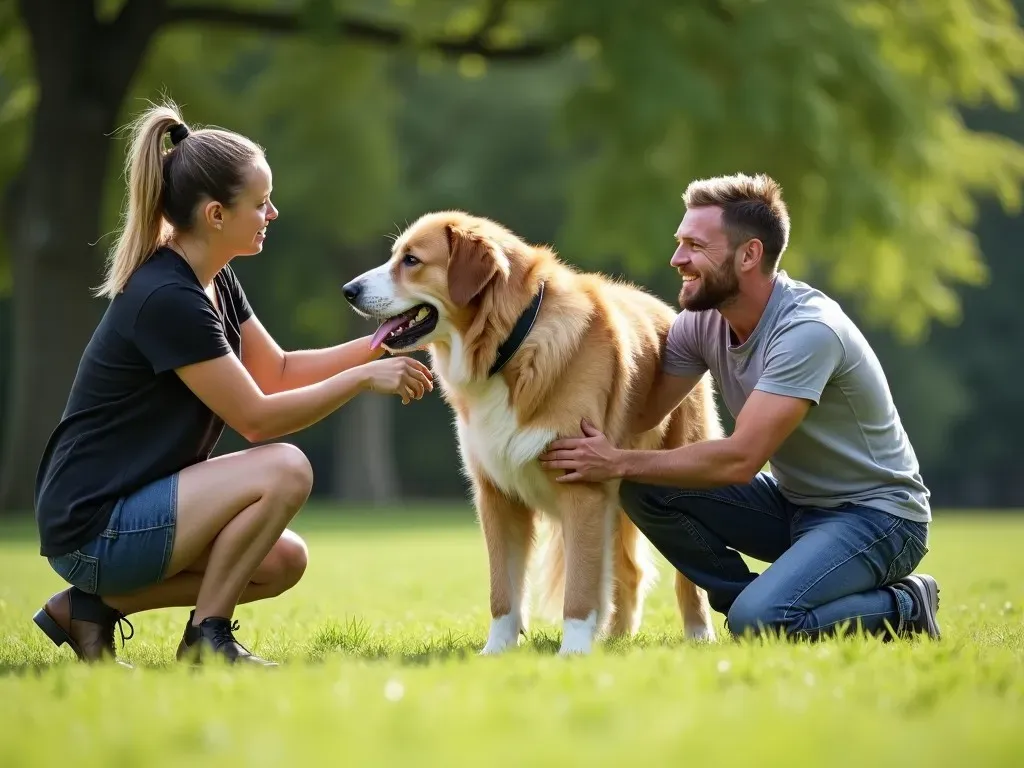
x,y
129,418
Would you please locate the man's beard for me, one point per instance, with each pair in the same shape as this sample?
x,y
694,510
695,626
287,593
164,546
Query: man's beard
x,y
714,290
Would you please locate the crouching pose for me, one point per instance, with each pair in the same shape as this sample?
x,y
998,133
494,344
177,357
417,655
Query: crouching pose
x,y
132,510
843,515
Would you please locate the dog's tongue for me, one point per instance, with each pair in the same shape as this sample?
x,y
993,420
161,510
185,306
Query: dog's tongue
x,y
385,328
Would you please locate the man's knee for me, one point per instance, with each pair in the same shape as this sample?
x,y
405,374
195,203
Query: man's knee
x,y
638,501
291,474
752,616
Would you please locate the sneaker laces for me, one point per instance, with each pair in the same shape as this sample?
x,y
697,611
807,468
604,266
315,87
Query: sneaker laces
x,y
119,622
223,634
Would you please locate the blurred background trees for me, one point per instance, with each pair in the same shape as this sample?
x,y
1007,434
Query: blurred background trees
x,y
894,127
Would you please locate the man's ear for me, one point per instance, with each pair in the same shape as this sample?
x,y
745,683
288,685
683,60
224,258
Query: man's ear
x,y
753,253
473,263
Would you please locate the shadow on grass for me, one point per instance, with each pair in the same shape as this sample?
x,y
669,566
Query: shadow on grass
x,y
318,517
355,639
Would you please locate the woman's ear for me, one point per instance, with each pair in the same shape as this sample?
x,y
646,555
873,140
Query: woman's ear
x,y
213,215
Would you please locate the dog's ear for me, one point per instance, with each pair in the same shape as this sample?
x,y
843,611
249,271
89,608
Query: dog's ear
x,y
473,263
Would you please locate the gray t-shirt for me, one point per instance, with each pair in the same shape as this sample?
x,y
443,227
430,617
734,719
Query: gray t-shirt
x,y
851,446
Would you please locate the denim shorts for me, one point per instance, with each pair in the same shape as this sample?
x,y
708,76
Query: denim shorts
x,y
135,548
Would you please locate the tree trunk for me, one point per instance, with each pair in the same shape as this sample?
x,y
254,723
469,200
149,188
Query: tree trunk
x,y
365,461
53,212
365,470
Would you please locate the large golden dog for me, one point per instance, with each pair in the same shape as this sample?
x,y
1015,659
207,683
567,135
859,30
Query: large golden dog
x,y
523,348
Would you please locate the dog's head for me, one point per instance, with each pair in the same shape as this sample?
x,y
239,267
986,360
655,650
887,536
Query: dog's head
x,y
440,270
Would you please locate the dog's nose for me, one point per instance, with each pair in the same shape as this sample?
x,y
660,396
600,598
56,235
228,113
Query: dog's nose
x,y
352,290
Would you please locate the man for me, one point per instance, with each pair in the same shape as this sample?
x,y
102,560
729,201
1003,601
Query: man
x,y
843,517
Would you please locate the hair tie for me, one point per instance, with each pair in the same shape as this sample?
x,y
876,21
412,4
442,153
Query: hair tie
x,y
179,132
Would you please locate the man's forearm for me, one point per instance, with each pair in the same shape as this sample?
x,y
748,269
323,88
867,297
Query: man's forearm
x,y
310,366
706,464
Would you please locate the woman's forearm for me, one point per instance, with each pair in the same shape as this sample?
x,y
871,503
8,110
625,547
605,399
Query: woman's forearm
x,y
311,366
288,411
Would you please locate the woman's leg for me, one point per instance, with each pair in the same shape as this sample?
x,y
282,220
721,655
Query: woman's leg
x,y
280,570
230,512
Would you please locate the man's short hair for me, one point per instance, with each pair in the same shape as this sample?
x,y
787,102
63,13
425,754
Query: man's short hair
x,y
752,206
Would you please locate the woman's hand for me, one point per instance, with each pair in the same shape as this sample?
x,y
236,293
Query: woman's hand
x,y
403,376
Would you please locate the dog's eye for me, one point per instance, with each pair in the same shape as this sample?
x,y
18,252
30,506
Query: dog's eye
x,y
409,260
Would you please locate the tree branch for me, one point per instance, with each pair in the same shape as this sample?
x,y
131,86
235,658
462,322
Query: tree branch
x,y
284,23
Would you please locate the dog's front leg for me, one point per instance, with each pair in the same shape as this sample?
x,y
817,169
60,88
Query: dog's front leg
x,y
508,528
586,522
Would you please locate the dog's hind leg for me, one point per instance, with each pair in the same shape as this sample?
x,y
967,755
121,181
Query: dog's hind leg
x,y
694,610
634,575
508,528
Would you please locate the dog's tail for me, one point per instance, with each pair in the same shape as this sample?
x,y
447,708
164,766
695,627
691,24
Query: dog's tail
x,y
628,578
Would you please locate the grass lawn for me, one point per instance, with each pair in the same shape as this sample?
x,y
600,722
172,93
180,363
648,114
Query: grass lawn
x,y
379,648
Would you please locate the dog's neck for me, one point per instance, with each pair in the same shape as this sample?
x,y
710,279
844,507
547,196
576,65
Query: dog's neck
x,y
460,359
521,329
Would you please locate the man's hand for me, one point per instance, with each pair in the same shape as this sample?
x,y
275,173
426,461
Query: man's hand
x,y
589,458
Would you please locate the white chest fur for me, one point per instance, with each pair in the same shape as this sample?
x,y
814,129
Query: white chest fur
x,y
493,441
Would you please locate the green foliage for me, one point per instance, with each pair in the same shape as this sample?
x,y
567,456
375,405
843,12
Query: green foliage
x,y
324,114
853,107
18,96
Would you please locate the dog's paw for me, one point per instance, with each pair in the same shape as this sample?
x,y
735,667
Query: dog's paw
x,y
701,633
578,636
504,633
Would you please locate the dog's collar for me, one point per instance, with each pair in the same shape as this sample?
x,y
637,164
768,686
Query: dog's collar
x,y
519,332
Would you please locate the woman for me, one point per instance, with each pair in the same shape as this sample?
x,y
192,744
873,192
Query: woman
x,y
131,509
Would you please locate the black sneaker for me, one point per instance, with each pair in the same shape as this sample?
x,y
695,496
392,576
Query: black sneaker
x,y
214,634
188,637
924,591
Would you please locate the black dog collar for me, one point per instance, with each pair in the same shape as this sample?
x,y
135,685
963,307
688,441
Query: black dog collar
x,y
519,332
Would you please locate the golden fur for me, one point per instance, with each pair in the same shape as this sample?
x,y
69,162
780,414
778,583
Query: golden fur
x,y
592,353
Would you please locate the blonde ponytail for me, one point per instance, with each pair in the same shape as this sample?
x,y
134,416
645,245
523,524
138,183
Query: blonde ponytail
x,y
143,225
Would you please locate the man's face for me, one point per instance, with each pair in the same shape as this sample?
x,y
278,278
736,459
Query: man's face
x,y
705,260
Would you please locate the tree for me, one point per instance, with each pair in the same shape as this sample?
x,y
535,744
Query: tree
x,y
852,106
85,55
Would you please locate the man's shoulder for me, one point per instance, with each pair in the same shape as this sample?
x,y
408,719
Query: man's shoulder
x,y
803,301
804,306
703,322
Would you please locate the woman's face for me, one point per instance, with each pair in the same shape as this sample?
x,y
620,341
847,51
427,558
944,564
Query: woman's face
x,y
242,228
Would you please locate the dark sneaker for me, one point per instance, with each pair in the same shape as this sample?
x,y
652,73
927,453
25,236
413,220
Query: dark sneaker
x,y
188,637
214,634
85,623
924,591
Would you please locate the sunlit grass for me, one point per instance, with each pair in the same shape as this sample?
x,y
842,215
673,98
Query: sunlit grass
x,y
378,647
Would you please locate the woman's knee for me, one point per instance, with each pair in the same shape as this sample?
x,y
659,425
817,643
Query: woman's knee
x,y
289,474
286,562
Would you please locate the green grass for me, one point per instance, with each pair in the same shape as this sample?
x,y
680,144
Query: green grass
x,y
379,649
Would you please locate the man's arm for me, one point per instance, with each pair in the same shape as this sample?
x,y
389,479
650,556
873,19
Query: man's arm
x,y
762,426
275,370
798,366
668,391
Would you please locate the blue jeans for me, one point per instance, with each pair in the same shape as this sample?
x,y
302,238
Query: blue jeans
x,y
133,551
827,566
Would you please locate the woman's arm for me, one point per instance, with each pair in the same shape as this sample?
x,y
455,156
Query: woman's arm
x,y
227,389
275,370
